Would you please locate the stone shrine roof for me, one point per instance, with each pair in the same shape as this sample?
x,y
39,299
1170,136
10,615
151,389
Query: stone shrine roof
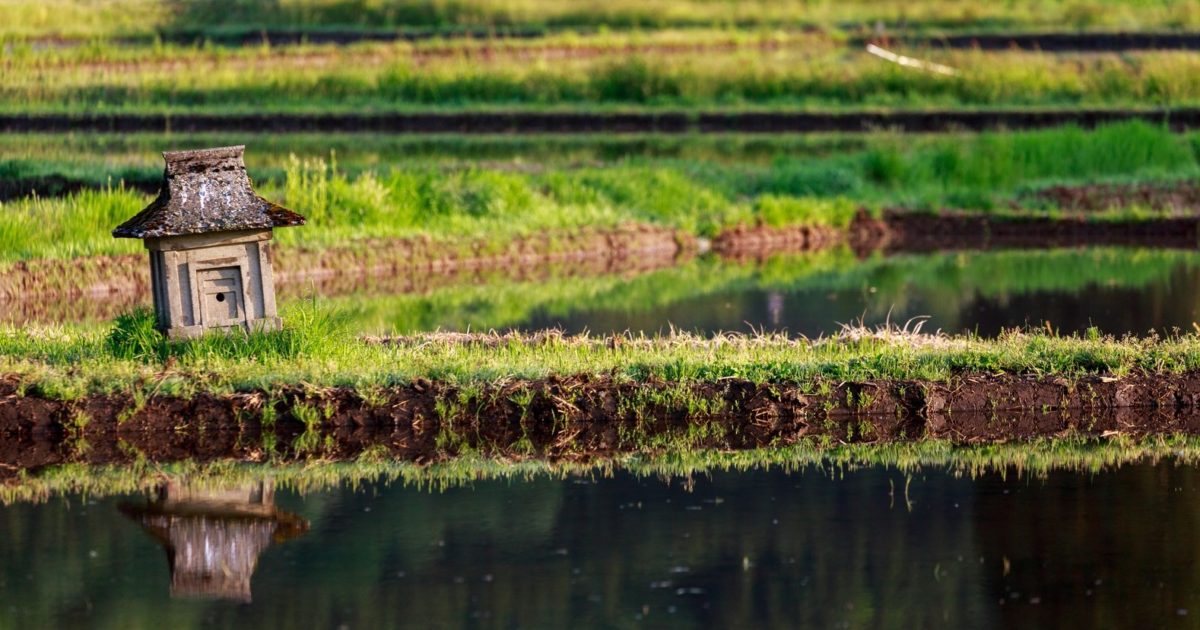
x,y
206,191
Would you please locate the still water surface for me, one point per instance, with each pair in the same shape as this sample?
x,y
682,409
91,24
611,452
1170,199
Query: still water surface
x,y
769,548
1116,290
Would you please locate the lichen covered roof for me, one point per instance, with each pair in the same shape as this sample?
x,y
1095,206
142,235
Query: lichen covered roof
x,y
202,192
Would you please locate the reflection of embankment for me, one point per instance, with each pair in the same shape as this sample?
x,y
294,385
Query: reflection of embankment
x,y
582,417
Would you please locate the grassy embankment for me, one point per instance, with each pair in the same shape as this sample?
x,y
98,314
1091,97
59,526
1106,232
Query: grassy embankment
x,y
68,362
616,73
980,173
146,18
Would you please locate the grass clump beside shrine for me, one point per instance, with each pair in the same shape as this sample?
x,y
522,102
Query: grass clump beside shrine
x,y
652,72
1025,459
68,362
498,203
146,18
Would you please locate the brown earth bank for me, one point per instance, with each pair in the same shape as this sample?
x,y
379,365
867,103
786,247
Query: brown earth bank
x,y
1182,197
525,122
584,416
1050,42
300,270
1112,41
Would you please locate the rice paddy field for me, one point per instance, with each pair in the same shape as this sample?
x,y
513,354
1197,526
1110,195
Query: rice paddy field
x,y
678,313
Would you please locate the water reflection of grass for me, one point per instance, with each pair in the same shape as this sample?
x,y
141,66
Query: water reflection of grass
x,y
1032,458
950,279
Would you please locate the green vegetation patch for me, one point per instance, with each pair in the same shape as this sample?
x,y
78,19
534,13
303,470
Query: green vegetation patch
x,y
145,18
70,362
806,74
498,203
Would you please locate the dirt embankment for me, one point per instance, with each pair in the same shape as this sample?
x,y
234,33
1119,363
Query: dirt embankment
x,y
525,122
581,417
1177,198
298,270
1051,42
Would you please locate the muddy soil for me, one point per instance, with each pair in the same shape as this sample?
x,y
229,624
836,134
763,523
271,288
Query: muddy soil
x,y
517,122
585,416
747,242
1178,198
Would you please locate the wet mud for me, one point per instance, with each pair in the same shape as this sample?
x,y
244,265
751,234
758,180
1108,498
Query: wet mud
x,y
583,416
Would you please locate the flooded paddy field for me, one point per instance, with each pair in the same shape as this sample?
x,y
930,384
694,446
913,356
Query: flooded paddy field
x,y
576,337
871,546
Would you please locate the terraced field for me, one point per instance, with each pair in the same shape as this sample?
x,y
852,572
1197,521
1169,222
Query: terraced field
x,y
694,285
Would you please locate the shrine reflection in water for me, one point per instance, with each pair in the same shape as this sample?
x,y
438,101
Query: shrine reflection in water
x,y
214,536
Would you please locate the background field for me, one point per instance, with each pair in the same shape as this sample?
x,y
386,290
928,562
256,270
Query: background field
x,y
80,18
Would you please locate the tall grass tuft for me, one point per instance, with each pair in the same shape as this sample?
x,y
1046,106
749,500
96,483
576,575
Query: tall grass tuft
x,y
310,330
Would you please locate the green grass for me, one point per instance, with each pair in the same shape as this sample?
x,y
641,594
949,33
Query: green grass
x,y
804,73
1025,459
103,155
80,18
497,203
72,361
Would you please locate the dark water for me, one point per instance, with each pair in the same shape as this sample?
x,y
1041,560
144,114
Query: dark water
x,y
760,549
1163,305
1161,298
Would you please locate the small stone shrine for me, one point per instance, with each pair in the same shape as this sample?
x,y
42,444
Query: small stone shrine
x,y
207,233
